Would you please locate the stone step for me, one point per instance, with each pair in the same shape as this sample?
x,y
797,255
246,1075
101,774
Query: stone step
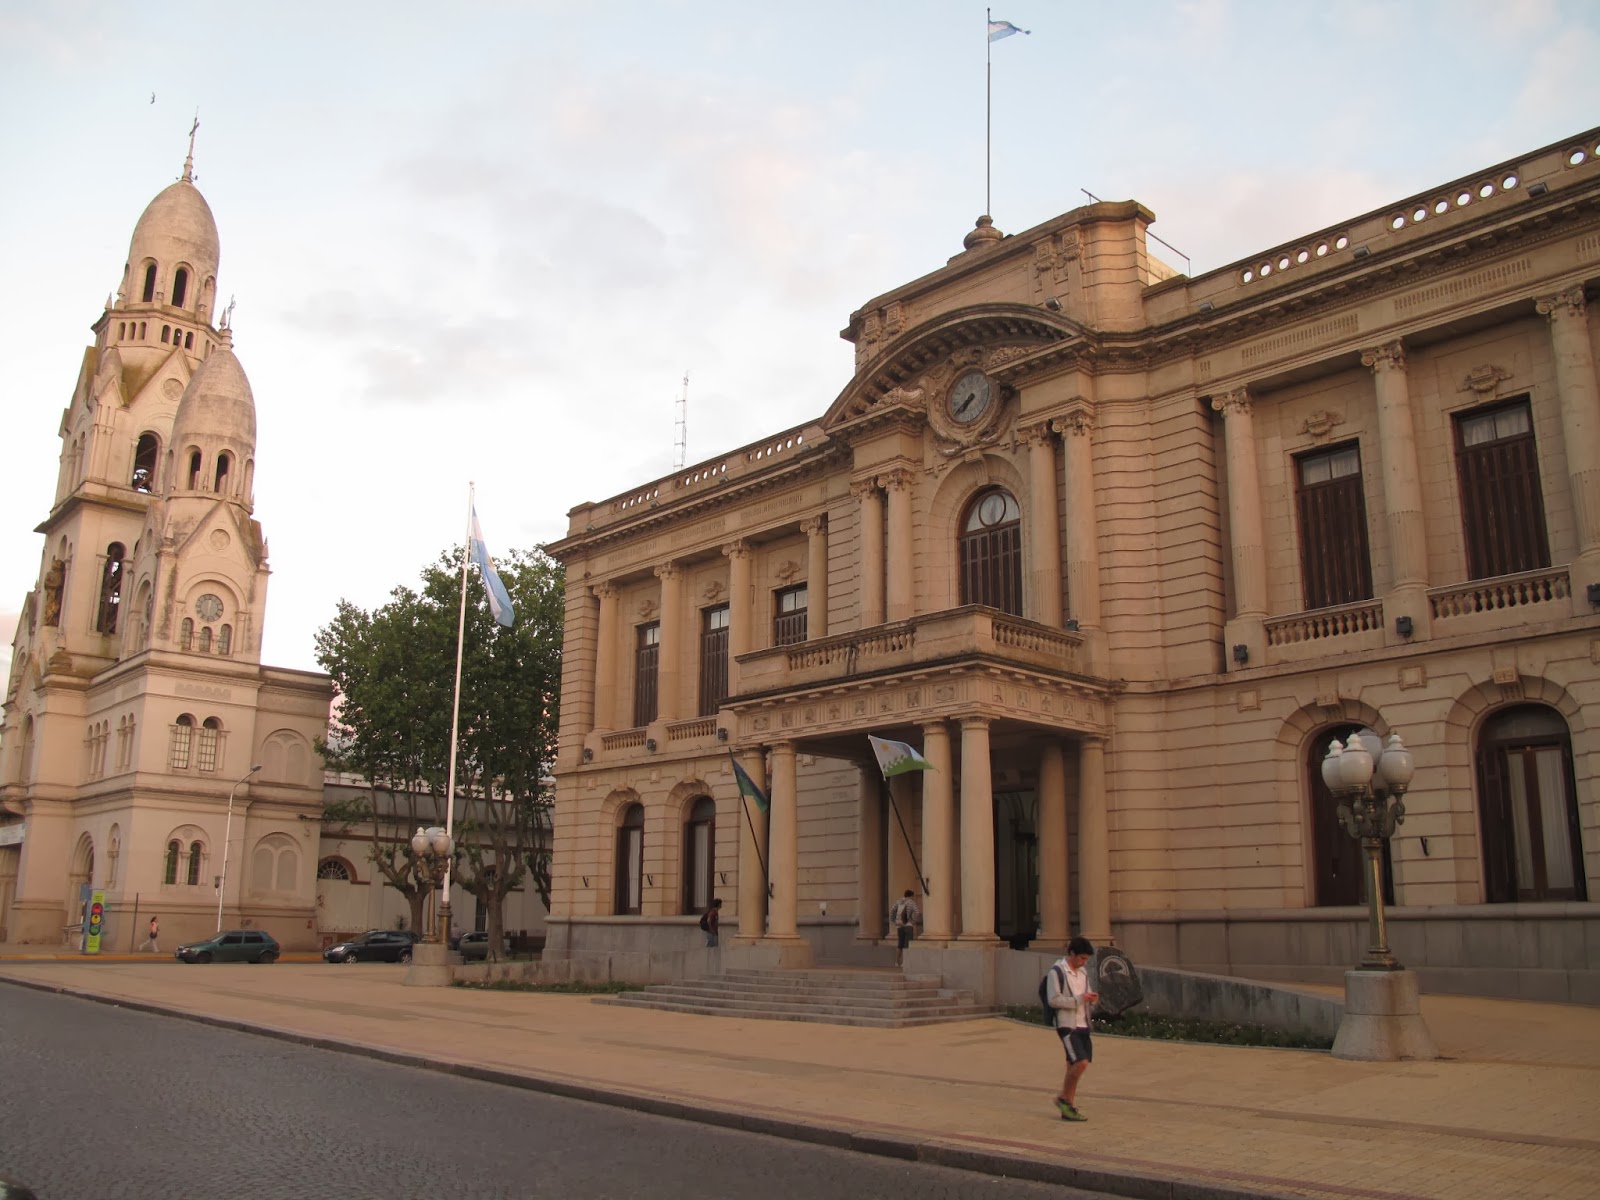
x,y
796,1013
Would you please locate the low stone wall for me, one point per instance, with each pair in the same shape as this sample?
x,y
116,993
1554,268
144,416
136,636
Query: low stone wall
x,y
1170,993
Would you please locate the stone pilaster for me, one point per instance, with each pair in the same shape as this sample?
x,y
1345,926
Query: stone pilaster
x,y
938,815
1094,843
977,832
1044,526
816,531
1248,548
901,580
1402,492
1055,914
872,609
741,606
606,649
669,671
1580,428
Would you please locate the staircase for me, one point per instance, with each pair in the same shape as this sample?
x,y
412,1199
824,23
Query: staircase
x,y
838,996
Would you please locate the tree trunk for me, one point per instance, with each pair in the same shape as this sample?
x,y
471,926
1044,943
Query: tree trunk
x,y
417,898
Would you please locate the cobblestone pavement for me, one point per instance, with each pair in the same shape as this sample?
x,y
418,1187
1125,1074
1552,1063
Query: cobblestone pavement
x,y
101,1103
1508,1111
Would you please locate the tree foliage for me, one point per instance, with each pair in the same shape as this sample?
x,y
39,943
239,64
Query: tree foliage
x,y
394,668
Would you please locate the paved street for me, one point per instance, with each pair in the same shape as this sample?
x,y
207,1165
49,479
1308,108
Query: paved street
x,y
102,1103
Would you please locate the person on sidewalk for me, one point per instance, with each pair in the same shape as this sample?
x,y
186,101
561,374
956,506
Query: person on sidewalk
x,y
1072,1003
903,917
711,922
155,932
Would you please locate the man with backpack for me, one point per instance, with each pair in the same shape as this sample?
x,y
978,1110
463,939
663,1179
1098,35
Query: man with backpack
x,y
711,922
1070,1004
903,919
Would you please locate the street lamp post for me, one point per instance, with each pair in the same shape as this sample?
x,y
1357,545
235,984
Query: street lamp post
x,y
432,853
1371,780
1382,1018
227,836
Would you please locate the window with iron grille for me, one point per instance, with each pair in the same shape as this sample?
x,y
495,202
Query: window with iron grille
x,y
1502,504
182,743
699,855
789,616
991,552
1335,566
646,664
210,733
630,862
713,659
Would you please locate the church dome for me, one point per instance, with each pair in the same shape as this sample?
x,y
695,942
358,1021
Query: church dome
x,y
175,233
218,403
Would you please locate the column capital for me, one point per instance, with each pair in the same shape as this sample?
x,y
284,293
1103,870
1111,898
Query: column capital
x,y
937,726
1076,424
862,488
667,572
1033,435
1569,303
896,480
738,548
1390,356
976,722
815,526
604,591
1096,740
1234,403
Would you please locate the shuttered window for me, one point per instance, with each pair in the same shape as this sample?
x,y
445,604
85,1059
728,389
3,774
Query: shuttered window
x,y
1502,505
991,552
646,665
713,659
1335,567
789,608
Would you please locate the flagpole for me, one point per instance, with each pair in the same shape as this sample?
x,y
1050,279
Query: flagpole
x,y
900,821
455,725
744,803
988,105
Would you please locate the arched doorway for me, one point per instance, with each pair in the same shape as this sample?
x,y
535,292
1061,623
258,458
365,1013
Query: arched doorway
x,y
1527,807
1338,867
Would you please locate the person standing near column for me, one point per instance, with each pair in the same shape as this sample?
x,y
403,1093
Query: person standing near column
x,y
1072,1004
903,916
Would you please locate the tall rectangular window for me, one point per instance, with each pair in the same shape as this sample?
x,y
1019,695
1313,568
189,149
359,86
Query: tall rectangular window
x,y
1335,567
713,659
646,668
1502,505
789,616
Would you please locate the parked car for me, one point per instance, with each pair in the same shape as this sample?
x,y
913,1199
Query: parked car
x,y
474,946
231,945
375,945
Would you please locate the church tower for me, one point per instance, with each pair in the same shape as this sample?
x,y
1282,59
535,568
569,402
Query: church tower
x,y
136,693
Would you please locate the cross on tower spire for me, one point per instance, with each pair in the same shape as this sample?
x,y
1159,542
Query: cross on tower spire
x,y
188,163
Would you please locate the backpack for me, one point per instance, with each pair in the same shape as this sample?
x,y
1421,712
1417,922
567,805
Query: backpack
x,y
705,920
1044,994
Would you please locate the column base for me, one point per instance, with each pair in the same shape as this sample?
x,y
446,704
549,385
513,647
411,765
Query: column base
x,y
1383,1018
966,966
431,964
768,954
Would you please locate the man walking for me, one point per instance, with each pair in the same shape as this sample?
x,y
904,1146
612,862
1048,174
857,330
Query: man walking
x,y
711,922
903,917
155,932
1072,1005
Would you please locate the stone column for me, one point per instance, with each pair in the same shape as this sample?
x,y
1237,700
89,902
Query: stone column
x,y
669,654
1083,537
1402,492
1580,428
753,851
1247,627
1094,843
741,609
977,832
606,648
938,808
901,579
1055,906
1044,526
866,490
783,837
870,854
816,531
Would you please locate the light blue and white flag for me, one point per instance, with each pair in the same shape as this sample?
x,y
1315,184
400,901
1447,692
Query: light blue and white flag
x,y
1003,29
499,599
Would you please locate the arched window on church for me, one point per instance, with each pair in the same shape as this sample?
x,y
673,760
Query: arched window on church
x,y
149,285
224,461
210,735
186,634
196,853
225,640
166,332
194,470
991,552
144,463
110,590
205,640
182,743
180,287
169,872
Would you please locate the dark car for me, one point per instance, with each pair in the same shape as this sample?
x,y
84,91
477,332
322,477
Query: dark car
x,y
232,945
474,946
376,945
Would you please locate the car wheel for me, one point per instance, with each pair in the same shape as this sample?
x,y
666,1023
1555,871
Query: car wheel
x,y
349,958
405,957
268,956
203,957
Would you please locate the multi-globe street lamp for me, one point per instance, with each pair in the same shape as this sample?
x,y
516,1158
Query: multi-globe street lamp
x,y
227,837
433,851
1371,779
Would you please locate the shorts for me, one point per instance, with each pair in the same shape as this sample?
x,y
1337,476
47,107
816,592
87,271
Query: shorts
x,y
1078,1044
903,933
711,940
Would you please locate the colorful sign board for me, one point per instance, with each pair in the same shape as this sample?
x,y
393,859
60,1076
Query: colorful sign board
x,y
94,924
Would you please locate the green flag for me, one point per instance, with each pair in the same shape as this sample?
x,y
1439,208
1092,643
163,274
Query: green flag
x,y
747,786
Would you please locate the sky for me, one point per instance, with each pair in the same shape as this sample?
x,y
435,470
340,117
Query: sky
x,y
485,241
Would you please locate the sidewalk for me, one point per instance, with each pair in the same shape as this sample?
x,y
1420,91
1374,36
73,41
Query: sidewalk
x,y
1510,1111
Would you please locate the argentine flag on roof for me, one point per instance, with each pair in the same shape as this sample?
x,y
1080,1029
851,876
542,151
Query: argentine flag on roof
x,y
1003,29
499,599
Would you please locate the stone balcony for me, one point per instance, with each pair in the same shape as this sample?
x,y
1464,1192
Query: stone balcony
x,y
954,635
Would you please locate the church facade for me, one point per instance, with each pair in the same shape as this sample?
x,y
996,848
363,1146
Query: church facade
x,y
1122,552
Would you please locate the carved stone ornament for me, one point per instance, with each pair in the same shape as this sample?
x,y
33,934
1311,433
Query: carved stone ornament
x,y
908,397
1569,303
1320,423
1391,356
786,570
1077,424
714,590
1484,380
648,610
1001,355
1235,403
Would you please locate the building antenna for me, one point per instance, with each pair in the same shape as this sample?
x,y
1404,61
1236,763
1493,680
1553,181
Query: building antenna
x,y
681,446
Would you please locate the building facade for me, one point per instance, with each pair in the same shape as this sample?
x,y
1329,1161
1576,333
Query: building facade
x,y
1122,552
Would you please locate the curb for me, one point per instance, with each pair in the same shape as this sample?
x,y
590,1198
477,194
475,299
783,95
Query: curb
x,y
879,1143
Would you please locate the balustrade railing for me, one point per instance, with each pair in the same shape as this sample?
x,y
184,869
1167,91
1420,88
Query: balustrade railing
x,y
1321,624
1501,592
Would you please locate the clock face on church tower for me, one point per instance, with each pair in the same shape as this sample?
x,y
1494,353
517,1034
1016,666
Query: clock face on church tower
x,y
208,607
970,397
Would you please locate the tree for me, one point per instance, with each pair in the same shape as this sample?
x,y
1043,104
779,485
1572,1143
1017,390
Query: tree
x,y
394,668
